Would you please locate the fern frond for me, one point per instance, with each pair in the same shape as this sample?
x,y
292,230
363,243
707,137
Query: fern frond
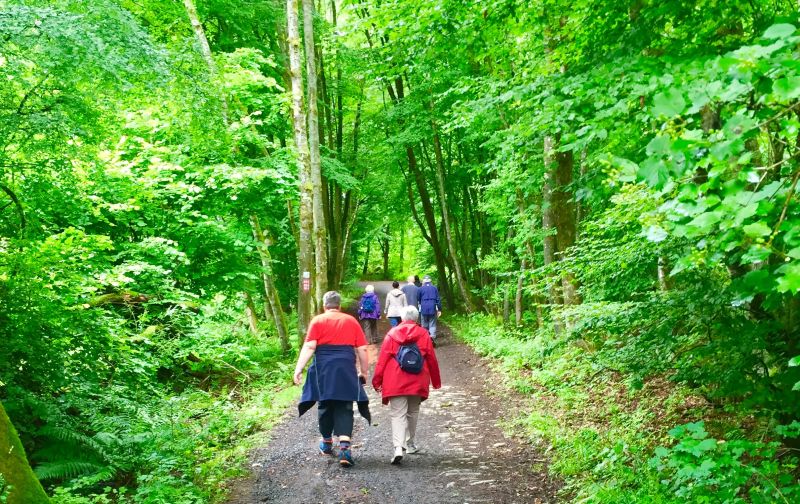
x,y
67,469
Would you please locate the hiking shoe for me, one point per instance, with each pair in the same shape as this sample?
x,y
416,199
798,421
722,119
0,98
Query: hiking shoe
x,y
326,447
345,458
412,448
398,456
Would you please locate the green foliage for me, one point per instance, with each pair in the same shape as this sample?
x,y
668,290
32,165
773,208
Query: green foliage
x,y
703,469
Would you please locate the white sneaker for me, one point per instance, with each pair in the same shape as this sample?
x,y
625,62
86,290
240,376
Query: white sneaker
x,y
412,448
398,455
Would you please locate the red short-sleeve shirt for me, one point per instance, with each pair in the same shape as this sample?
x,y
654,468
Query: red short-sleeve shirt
x,y
336,328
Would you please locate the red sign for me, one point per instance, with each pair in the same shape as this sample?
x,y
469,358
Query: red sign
x,y
306,284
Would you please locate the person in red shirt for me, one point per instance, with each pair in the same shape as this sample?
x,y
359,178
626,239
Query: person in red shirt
x,y
403,390
336,342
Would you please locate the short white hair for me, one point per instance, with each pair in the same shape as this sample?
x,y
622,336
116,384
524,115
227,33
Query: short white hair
x,y
369,288
331,299
410,313
410,279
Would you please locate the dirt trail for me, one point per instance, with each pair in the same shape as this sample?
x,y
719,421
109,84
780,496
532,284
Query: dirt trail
x,y
464,458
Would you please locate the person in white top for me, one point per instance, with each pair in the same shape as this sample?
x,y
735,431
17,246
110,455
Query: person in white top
x,y
395,302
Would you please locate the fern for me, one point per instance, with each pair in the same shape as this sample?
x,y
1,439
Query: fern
x,y
68,469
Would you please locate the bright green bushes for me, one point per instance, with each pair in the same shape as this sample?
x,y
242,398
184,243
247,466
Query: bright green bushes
x,y
608,420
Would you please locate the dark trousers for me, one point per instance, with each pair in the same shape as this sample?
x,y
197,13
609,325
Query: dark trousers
x,y
335,418
370,326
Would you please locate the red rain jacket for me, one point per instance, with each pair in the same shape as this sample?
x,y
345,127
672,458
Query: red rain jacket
x,y
392,380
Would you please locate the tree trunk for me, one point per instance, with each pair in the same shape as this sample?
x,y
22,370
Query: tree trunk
x,y
320,242
366,261
14,467
205,49
518,297
431,236
250,312
305,257
461,278
271,297
549,217
566,214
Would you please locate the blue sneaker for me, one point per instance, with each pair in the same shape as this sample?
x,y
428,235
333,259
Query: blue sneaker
x,y
326,447
345,458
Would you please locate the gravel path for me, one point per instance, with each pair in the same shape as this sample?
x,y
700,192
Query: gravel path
x,y
464,458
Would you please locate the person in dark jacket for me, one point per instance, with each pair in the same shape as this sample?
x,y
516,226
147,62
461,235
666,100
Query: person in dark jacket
x,y
337,343
430,306
411,291
402,390
369,311
417,282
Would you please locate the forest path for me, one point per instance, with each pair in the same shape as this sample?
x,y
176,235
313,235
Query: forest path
x,y
464,458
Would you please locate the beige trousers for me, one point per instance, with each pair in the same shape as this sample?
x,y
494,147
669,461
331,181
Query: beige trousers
x,y
404,411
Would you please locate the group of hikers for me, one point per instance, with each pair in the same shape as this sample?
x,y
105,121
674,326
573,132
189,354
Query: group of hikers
x,y
422,295
406,366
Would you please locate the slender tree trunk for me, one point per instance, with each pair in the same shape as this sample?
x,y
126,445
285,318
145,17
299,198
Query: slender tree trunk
x,y
366,260
205,49
250,312
461,278
305,256
567,222
518,298
549,217
506,303
320,241
14,467
272,299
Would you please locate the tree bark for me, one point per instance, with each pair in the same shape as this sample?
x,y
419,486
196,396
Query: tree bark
x,y
319,230
271,296
15,469
461,278
250,312
305,257
549,217
518,298
205,50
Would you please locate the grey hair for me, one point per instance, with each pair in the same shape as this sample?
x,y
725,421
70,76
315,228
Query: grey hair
x,y
410,313
369,288
331,299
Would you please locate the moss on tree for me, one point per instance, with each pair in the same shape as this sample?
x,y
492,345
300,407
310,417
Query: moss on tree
x,y
25,488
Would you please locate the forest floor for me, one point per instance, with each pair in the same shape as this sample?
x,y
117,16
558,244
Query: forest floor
x,y
465,456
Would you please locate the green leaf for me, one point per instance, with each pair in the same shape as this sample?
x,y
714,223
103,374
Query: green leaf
x,y
790,281
669,103
787,88
656,234
757,229
794,361
778,31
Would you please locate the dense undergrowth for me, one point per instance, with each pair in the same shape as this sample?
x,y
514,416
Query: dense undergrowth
x,y
632,435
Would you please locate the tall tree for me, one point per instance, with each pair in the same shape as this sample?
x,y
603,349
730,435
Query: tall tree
x,y
319,228
305,252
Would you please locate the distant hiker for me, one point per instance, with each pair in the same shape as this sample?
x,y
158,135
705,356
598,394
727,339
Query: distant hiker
x,y
332,379
417,282
411,291
369,311
406,368
395,302
430,306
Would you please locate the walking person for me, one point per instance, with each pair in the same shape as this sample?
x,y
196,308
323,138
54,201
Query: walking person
x,y
369,311
395,302
337,344
411,291
406,368
430,306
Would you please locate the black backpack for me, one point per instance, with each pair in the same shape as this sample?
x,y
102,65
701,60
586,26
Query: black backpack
x,y
410,358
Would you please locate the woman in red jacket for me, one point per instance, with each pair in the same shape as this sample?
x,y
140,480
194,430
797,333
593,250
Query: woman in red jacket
x,y
405,390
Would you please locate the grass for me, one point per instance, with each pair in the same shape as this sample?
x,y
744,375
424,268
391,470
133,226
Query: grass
x,y
598,433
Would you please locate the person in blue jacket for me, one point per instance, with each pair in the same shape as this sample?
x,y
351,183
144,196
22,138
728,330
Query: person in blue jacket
x,y
430,306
